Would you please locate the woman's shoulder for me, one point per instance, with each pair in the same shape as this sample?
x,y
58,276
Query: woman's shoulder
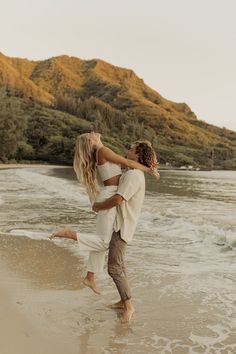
x,y
100,154
102,149
104,152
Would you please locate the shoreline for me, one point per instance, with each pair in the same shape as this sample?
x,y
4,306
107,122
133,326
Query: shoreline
x,y
42,165
43,318
32,165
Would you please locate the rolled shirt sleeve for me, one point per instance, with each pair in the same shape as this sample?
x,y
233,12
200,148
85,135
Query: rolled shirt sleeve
x,y
129,184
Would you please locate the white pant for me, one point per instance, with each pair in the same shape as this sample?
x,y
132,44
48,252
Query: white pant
x,y
98,244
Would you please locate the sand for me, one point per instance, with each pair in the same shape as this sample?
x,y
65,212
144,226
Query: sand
x,y
45,309
19,332
21,165
24,326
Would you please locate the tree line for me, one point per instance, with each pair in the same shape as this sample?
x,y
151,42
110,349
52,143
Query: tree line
x,y
32,131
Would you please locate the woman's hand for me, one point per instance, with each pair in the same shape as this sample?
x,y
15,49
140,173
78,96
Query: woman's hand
x,y
154,173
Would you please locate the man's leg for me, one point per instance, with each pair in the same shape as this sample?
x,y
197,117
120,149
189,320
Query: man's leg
x,y
116,270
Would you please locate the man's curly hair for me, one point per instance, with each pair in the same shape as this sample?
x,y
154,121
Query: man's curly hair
x,y
146,153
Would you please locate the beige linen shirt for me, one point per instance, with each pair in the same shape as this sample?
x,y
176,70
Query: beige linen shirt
x,y
132,189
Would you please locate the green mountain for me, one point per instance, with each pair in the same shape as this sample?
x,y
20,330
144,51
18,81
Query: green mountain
x,y
45,104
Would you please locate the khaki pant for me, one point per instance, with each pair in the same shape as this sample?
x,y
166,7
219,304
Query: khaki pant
x,y
116,267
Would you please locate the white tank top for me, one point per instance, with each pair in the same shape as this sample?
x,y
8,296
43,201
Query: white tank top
x,y
108,170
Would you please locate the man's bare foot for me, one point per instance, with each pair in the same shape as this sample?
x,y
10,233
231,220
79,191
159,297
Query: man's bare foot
x,y
65,233
128,311
127,315
90,283
117,305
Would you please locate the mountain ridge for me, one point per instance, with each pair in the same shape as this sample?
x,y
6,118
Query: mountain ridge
x,y
98,69
114,100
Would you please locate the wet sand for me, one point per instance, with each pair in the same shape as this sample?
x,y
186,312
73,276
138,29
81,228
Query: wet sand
x,y
29,293
45,309
20,332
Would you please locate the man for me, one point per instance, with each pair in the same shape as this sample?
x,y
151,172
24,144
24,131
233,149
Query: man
x,y
128,199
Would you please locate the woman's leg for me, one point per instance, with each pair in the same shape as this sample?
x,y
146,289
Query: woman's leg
x,y
64,233
96,260
95,264
87,242
89,281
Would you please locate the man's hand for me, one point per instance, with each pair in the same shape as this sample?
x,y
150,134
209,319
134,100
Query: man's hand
x,y
95,207
108,203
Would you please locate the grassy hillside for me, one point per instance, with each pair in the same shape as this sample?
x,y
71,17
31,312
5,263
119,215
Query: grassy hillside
x,y
58,98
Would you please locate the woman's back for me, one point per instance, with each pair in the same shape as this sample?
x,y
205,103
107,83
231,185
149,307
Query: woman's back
x,y
108,172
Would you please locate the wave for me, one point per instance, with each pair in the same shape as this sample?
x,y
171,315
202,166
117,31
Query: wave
x,y
69,190
193,227
228,240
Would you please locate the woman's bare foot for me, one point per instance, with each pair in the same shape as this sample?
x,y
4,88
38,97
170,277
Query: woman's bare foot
x,y
65,233
117,305
90,283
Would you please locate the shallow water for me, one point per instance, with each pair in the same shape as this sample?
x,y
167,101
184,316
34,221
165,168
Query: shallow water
x,y
181,263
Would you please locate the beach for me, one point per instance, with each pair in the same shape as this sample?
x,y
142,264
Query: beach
x,y
47,310
20,333
24,165
181,267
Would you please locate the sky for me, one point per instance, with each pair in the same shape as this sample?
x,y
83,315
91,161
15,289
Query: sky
x,y
183,49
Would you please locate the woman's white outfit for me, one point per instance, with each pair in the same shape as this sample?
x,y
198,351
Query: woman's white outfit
x,y
98,243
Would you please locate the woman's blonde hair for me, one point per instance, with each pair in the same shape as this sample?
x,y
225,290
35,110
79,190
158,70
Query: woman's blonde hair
x,y
85,164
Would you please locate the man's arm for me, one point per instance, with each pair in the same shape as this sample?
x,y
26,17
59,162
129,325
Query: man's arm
x,y
108,203
129,184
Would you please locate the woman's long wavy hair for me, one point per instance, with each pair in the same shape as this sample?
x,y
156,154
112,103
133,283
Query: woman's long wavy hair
x,y
85,164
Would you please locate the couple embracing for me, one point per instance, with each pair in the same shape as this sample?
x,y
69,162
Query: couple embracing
x,y
117,198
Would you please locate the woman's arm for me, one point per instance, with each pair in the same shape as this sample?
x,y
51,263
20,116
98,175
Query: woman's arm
x,y
109,155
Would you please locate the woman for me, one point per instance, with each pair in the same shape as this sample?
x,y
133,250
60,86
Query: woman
x,y
94,163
